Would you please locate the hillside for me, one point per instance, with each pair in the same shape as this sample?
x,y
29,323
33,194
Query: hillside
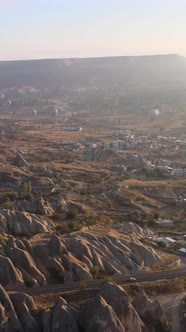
x,y
133,80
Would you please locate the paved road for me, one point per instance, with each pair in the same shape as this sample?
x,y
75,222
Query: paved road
x,y
93,284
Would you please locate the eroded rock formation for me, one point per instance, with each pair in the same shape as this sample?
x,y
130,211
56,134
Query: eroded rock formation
x,y
109,311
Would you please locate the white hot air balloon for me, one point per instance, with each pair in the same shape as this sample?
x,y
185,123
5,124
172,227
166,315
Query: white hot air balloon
x,y
34,112
55,112
2,96
153,114
9,102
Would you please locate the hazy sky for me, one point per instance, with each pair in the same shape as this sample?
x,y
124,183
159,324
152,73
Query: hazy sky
x,y
80,28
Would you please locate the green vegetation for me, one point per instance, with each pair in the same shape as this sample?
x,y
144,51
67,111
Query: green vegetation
x,y
57,174
8,200
156,215
161,244
29,282
89,219
107,279
7,204
27,235
75,226
71,214
152,223
83,192
27,188
3,237
55,216
95,272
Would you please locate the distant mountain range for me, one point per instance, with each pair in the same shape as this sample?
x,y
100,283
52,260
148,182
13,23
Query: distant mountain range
x,y
140,80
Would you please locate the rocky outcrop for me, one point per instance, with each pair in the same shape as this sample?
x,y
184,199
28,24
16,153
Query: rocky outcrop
x,y
20,161
8,317
151,314
67,258
61,204
133,228
10,277
26,311
39,206
98,316
113,253
109,311
10,177
63,319
75,206
149,256
17,266
119,300
25,263
15,222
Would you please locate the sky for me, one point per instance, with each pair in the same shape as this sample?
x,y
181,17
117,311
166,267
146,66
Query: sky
x,y
32,29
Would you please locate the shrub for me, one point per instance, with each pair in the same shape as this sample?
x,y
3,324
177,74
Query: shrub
x,y
55,216
94,271
152,223
7,204
27,188
156,215
3,237
106,279
28,197
83,192
56,174
71,214
12,196
27,235
29,282
161,244
75,226
90,219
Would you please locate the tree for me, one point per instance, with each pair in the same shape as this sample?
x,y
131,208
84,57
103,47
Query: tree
x,y
161,244
25,188
29,187
94,271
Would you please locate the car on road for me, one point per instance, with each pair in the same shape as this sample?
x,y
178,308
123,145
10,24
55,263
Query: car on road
x,y
132,279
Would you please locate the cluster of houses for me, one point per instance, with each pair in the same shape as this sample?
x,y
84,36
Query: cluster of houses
x,y
137,152
179,240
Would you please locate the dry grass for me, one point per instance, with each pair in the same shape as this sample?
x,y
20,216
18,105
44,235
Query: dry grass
x,y
155,288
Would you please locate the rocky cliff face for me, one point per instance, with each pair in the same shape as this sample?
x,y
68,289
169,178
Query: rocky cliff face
x,y
18,223
39,206
109,311
20,161
67,258
119,300
151,313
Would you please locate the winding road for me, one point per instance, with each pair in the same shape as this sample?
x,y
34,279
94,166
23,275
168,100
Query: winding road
x,y
94,284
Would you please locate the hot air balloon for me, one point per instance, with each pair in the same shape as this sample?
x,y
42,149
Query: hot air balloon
x,y
34,112
153,114
2,96
55,112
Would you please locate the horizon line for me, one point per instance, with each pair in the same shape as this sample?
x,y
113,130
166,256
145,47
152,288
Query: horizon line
x,y
95,57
